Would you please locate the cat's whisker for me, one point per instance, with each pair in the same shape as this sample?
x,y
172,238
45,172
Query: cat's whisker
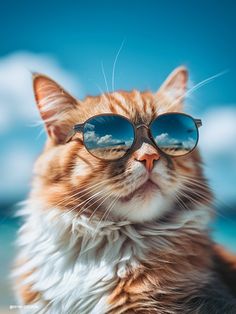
x,y
89,189
180,202
198,187
87,200
195,178
191,186
193,89
202,194
111,208
105,79
104,76
90,198
193,200
101,90
107,210
99,206
216,199
78,193
96,200
114,66
199,85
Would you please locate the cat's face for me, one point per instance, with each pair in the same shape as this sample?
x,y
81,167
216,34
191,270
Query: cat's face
x,y
69,177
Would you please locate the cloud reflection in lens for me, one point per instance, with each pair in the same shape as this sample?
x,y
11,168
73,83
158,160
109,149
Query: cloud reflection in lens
x,y
175,134
108,137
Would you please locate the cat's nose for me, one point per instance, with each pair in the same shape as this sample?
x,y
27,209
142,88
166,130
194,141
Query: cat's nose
x,y
148,160
147,155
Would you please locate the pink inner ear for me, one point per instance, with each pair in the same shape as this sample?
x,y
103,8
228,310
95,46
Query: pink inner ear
x,y
176,84
56,133
54,105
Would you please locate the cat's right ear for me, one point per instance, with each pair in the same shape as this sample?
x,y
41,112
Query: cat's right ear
x,y
55,106
175,86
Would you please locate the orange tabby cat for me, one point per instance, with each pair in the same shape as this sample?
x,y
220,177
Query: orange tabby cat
x,y
123,236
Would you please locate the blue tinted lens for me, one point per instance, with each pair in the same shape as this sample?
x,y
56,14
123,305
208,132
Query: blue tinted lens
x,y
175,134
108,136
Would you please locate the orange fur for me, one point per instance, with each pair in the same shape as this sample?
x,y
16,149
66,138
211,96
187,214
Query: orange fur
x,y
66,175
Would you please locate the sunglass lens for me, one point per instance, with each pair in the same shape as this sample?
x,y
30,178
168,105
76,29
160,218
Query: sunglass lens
x,y
175,134
108,136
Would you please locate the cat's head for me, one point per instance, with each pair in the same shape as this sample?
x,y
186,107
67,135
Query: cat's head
x,y
69,177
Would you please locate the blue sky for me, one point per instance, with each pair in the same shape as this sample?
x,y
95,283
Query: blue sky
x,y
159,35
70,40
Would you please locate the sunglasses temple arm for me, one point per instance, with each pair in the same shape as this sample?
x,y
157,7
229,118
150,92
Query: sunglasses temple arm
x,y
70,135
76,128
198,122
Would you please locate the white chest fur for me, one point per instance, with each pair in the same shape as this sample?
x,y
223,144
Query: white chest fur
x,y
78,263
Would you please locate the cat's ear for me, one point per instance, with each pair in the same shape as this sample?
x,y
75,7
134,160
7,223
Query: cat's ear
x,y
55,106
175,86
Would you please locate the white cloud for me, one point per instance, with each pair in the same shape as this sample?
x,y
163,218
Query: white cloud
x,y
90,136
16,95
17,163
107,139
218,147
161,138
93,138
218,133
19,142
164,139
90,126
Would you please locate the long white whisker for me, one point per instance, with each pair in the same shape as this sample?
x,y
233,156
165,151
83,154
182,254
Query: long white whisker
x,y
91,188
86,201
80,192
114,65
192,199
99,205
103,193
194,88
180,202
198,85
113,202
105,218
104,75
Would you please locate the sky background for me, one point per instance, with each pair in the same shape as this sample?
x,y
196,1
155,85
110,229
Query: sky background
x,y
74,42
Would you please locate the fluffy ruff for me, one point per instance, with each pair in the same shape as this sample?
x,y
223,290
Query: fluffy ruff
x,y
73,265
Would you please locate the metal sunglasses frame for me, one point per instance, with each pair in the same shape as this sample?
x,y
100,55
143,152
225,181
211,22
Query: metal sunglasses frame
x,y
80,128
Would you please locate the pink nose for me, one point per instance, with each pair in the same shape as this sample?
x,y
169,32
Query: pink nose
x,y
148,160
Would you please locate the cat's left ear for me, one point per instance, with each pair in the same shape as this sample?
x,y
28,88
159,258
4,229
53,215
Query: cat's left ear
x,y
175,86
56,107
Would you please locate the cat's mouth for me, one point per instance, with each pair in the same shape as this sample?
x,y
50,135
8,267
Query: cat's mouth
x,y
148,186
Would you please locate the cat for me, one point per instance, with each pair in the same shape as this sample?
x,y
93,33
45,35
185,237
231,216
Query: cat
x,y
93,241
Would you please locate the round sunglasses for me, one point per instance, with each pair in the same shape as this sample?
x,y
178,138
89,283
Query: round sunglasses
x,y
112,136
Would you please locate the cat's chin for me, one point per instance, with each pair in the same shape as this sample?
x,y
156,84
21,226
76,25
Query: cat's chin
x,y
144,191
146,203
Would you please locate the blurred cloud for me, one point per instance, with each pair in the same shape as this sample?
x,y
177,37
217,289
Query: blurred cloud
x,y
218,135
218,147
16,171
20,142
16,94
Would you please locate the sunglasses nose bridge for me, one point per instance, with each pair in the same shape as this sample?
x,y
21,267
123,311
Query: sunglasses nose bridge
x,y
143,135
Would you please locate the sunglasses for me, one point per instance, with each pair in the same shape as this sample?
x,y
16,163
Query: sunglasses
x,y
111,136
